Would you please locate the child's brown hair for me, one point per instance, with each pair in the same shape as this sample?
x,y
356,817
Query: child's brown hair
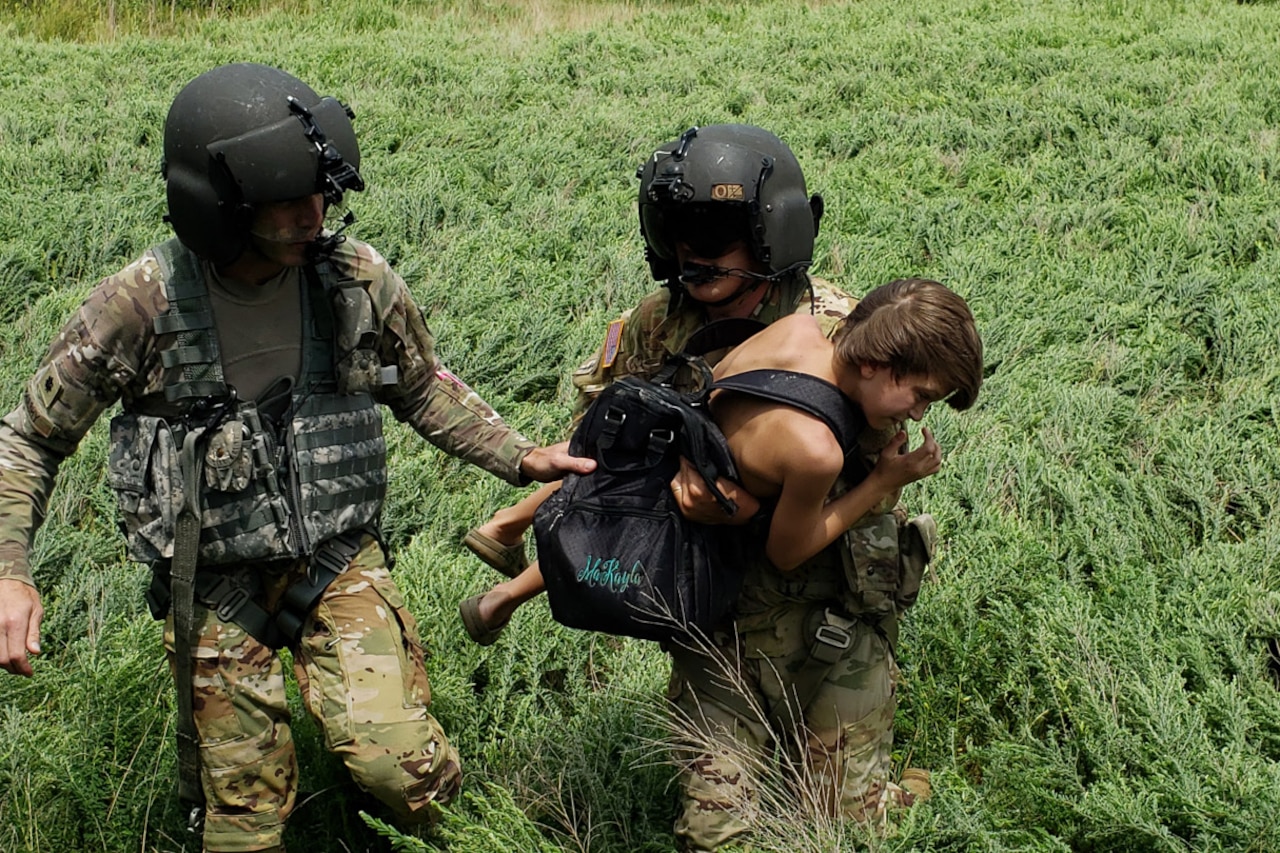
x,y
916,326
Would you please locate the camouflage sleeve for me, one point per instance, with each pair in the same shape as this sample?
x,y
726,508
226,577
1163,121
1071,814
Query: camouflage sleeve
x,y
605,365
830,305
89,365
427,396
632,345
27,471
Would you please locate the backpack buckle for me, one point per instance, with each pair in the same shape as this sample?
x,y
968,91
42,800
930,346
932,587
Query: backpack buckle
x,y
228,598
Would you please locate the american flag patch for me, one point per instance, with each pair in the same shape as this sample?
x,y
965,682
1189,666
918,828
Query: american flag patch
x,y
612,341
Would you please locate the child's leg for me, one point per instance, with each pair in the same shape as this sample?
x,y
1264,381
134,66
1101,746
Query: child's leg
x,y
485,615
509,524
499,542
500,602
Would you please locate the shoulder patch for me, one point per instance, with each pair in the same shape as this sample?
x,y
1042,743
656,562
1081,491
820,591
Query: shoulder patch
x,y
612,342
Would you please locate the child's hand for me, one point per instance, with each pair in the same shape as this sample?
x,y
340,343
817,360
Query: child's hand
x,y
900,469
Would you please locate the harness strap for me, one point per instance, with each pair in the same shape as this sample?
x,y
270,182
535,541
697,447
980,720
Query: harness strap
x,y
232,600
330,560
186,545
833,637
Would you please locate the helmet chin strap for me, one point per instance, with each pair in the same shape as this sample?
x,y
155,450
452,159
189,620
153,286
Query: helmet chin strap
x,y
694,274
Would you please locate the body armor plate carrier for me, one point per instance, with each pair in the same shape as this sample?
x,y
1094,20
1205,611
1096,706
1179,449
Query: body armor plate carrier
x,y
268,488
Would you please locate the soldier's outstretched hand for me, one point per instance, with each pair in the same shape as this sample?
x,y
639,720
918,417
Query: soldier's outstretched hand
x,y
20,616
545,464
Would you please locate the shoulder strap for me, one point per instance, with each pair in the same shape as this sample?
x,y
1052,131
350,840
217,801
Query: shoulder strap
x,y
805,392
195,349
319,279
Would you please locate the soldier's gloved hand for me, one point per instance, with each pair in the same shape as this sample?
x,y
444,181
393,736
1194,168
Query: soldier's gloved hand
x,y
20,616
545,464
699,505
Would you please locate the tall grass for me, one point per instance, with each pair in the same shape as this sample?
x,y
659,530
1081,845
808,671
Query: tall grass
x,y
1096,667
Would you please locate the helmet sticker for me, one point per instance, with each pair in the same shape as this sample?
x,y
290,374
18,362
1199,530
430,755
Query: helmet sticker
x,y
727,192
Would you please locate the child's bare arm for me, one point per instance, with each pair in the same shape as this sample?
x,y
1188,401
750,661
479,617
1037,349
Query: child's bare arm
x,y
698,504
801,528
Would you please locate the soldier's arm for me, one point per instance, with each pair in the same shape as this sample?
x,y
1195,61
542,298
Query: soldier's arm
x,y
430,398
27,471
96,353
20,617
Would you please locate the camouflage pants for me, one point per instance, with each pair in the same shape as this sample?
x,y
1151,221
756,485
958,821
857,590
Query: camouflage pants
x,y
360,669
725,693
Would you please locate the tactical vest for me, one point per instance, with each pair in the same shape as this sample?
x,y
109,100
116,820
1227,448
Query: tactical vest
x,y
266,490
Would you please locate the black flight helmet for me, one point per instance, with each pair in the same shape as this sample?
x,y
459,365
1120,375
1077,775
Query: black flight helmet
x,y
246,134
722,183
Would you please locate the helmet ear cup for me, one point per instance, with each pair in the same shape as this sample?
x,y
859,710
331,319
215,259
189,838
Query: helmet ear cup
x,y
819,207
215,230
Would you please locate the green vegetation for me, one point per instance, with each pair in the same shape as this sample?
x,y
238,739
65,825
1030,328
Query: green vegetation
x,y
1095,668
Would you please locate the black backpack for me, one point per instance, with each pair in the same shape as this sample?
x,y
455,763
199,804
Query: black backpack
x,y
616,554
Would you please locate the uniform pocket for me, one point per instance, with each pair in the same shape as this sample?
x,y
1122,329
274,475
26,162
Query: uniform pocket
x,y
871,564
412,653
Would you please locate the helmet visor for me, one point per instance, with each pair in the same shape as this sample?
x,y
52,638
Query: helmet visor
x,y
293,158
708,229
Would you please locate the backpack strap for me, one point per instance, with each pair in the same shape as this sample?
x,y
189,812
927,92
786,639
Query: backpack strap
x,y
807,393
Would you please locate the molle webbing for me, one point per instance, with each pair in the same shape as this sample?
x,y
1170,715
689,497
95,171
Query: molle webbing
x,y
333,476
340,459
190,317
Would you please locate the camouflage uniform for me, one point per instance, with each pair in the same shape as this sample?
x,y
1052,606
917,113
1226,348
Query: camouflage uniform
x,y
359,661
847,733
655,329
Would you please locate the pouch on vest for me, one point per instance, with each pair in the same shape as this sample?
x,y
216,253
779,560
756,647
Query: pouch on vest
x,y
917,541
357,364
871,565
227,459
144,472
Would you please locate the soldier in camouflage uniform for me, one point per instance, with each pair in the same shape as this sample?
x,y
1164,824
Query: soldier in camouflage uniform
x,y
250,355
641,341
695,204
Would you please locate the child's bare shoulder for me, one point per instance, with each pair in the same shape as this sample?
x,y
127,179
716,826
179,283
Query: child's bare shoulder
x,y
807,445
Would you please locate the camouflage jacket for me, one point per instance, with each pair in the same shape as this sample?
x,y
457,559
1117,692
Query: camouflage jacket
x,y
640,341
109,351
